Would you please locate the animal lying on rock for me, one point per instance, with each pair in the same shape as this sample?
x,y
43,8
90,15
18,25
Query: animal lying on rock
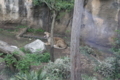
x,y
59,43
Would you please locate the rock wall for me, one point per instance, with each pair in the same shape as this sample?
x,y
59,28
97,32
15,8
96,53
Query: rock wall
x,y
101,22
98,28
23,11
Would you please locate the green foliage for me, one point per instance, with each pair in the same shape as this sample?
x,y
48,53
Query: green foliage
x,y
107,68
86,77
36,2
1,60
23,49
68,31
1,29
116,45
60,15
63,5
35,30
86,49
21,65
22,26
58,70
44,57
39,30
6,30
1,54
10,59
56,5
26,76
24,64
116,48
107,79
32,59
116,52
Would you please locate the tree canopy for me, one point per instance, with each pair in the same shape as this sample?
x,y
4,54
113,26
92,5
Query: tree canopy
x,y
56,5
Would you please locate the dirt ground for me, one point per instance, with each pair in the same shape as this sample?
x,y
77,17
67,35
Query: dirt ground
x,y
7,34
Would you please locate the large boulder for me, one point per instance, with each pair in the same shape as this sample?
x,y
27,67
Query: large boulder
x,y
9,49
35,46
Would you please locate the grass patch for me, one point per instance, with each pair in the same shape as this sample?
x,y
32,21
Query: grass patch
x,y
35,30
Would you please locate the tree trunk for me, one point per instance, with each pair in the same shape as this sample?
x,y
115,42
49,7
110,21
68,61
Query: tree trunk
x,y
75,40
52,41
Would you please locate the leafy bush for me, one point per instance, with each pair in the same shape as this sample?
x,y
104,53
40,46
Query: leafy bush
x,y
108,67
26,76
24,64
44,57
21,65
9,59
36,2
86,77
32,59
58,70
86,49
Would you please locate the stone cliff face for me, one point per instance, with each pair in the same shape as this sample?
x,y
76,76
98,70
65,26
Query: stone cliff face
x,y
98,28
22,11
100,22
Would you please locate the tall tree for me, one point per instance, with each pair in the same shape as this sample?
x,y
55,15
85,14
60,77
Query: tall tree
x,y
55,7
75,40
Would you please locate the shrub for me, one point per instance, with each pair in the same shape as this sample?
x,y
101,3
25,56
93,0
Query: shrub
x,y
24,64
58,70
108,68
86,77
86,49
44,57
26,76
32,59
89,53
9,59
